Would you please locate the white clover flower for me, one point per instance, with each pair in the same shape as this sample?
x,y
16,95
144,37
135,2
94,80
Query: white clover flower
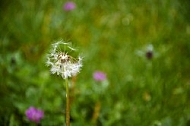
x,y
62,63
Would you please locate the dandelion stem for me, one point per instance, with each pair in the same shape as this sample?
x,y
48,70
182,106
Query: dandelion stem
x,y
67,104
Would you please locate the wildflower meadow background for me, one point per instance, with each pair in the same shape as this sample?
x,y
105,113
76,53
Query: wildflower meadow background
x,y
136,62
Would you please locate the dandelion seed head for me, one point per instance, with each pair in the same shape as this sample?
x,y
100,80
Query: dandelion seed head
x,y
61,62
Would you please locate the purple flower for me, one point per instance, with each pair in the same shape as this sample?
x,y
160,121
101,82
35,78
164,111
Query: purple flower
x,y
99,76
68,6
34,115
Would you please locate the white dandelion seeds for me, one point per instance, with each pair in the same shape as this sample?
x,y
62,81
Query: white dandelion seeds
x,y
62,63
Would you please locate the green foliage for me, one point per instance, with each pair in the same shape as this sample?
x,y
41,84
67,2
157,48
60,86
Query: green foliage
x,y
109,35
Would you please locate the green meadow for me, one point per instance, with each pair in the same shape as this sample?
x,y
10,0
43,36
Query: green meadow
x,y
143,47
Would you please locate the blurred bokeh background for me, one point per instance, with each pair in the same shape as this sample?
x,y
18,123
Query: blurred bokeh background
x,y
143,47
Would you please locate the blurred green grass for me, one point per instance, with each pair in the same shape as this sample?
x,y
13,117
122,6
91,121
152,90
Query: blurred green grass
x,y
108,34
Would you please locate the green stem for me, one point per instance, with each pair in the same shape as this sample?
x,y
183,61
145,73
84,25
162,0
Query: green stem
x,y
67,104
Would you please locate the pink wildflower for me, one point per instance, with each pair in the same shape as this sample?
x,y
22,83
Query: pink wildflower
x,y
69,6
99,76
34,115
